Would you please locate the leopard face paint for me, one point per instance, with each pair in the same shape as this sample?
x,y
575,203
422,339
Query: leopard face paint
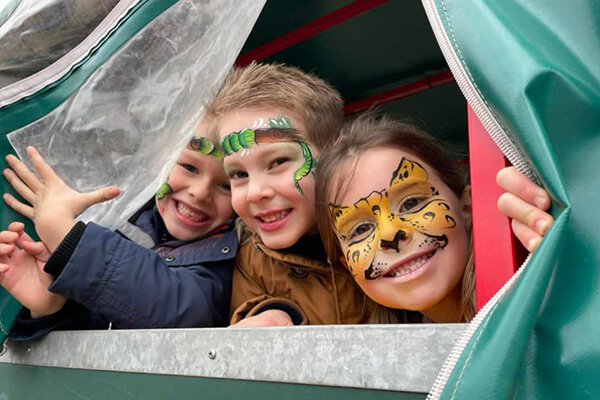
x,y
394,231
278,129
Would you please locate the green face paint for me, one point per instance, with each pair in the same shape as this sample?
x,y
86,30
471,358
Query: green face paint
x,y
163,190
281,122
205,146
280,130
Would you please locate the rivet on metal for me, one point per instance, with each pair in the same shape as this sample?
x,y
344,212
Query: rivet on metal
x,y
212,354
28,349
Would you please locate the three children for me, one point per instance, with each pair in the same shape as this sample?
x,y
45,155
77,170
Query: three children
x,y
404,233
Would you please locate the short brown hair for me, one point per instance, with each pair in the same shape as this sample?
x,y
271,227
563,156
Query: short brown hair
x,y
315,101
367,132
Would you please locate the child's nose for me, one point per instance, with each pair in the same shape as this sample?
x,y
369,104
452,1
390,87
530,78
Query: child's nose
x,y
391,239
258,189
200,190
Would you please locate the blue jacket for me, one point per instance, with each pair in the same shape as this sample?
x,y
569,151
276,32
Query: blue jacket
x,y
110,278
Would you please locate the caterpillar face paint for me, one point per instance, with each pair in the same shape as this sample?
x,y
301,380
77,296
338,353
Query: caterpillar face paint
x,y
401,231
205,146
196,199
269,165
280,130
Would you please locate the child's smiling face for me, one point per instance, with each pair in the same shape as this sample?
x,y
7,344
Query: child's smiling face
x,y
402,232
272,186
199,198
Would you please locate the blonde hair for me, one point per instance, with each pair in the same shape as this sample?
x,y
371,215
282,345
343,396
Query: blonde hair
x,y
337,165
315,101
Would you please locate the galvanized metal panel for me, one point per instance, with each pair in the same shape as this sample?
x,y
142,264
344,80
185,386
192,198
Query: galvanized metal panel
x,y
390,357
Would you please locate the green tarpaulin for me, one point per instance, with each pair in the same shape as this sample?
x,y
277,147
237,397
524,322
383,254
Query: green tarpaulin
x,y
535,66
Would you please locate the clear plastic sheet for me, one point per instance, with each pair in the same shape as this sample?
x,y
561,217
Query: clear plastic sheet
x,y
127,123
35,33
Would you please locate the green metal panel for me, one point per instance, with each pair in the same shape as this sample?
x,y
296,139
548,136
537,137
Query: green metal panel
x,y
25,382
535,65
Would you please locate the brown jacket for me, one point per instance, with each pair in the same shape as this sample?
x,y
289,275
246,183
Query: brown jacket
x,y
321,294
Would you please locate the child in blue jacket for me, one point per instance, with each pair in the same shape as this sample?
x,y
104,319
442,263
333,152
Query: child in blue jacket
x,y
170,267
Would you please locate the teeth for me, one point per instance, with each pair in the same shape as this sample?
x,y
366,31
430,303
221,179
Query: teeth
x,y
190,214
274,217
409,267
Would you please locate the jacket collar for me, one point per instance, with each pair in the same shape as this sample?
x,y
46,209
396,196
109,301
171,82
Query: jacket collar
x,y
287,257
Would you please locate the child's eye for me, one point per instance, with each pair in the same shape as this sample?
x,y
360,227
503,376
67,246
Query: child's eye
x,y
361,231
189,167
238,175
410,204
225,186
277,162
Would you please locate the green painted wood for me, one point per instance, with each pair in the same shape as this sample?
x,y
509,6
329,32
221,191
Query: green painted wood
x,y
29,383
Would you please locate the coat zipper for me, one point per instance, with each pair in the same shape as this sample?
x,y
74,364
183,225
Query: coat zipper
x,y
500,136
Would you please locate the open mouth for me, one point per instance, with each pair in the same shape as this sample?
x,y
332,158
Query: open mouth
x,y
271,221
190,213
409,267
273,217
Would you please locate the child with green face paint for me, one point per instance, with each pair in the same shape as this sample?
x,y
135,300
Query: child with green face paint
x,y
394,210
177,273
272,121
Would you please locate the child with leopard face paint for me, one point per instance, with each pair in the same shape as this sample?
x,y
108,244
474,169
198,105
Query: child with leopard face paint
x,y
394,209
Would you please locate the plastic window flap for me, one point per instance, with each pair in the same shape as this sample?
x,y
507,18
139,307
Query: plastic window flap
x,y
34,34
137,110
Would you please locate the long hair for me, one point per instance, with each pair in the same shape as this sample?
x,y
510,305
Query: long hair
x,y
337,166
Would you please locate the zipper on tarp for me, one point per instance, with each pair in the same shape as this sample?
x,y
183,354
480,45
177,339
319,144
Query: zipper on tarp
x,y
500,136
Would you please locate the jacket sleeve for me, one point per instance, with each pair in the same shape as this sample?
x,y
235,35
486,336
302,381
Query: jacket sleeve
x,y
72,316
249,298
133,287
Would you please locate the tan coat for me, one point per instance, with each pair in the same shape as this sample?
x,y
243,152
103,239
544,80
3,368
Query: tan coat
x,y
321,294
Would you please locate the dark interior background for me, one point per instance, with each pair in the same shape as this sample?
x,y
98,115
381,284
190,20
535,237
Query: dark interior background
x,y
378,50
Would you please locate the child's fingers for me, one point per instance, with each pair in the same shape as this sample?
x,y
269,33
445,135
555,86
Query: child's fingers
x,y
520,210
23,172
527,236
99,196
3,268
17,227
8,237
41,166
511,180
6,249
37,249
21,208
19,186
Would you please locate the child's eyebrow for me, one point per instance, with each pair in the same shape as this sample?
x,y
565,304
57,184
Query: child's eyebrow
x,y
267,135
405,186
